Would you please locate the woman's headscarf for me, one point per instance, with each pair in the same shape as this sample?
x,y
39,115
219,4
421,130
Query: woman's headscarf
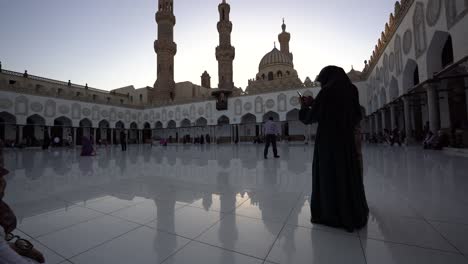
x,y
340,94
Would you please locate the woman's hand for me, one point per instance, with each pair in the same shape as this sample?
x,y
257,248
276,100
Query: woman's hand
x,y
306,101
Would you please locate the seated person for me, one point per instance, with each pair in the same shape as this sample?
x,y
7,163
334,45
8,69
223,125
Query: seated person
x,y
442,141
429,140
87,147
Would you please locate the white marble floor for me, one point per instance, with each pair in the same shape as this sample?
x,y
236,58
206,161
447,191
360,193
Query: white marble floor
x,y
226,204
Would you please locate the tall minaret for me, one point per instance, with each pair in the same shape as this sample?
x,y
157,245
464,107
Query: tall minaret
x,y
166,49
225,52
284,38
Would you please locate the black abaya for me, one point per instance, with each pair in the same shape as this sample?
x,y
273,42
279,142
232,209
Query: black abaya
x,y
338,198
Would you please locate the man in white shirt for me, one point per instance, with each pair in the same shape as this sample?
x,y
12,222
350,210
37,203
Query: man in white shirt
x,y
271,130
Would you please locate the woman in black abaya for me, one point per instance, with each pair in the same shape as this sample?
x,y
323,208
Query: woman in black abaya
x,y
338,198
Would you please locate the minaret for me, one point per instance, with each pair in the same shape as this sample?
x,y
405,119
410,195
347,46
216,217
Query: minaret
x,y
166,49
225,52
284,38
206,80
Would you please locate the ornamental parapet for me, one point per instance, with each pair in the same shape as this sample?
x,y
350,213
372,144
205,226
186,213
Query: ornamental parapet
x,y
401,9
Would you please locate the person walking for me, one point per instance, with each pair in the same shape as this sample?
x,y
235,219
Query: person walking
x,y
123,140
338,198
271,130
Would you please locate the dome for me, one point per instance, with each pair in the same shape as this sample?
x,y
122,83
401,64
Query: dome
x,y
275,57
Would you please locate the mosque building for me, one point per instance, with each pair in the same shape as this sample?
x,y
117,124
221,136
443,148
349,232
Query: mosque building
x,y
416,74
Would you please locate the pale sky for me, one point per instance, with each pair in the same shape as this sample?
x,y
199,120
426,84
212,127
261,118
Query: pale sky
x,y
109,43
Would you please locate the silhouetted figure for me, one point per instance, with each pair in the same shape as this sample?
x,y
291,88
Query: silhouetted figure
x,y
87,147
338,198
86,86
123,141
69,83
46,142
25,74
271,130
208,139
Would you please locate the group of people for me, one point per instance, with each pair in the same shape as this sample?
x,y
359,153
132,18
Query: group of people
x,y
390,137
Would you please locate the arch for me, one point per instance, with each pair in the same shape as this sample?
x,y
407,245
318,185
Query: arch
x,y
120,125
86,123
133,125
383,97
270,76
185,123
201,122
279,74
146,125
158,125
224,120
7,127
394,91
440,52
248,119
293,115
171,124
63,122
104,124
7,118
271,114
36,120
263,76
375,103
409,80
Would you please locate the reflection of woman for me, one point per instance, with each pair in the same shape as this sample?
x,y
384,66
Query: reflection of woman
x,y
87,147
338,197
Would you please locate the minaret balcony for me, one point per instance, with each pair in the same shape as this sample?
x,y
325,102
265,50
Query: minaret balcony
x,y
225,53
162,45
165,16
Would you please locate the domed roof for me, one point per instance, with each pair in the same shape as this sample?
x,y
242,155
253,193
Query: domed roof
x,y
275,57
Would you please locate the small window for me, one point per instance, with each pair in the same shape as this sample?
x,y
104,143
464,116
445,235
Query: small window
x,y
141,98
270,76
78,94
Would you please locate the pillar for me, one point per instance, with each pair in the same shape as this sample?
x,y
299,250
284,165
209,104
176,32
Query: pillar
x,y
94,135
393,116
20,134
382,113
74,136
112,136
376,122
406,112
466,95
433,107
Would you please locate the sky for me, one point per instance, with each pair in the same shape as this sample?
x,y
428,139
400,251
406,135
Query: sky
x,y
109,43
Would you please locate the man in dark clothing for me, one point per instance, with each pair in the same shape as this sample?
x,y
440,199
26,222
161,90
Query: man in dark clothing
x,y
123,140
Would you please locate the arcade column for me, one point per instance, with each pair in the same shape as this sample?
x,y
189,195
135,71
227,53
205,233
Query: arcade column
x,y
433,107
406,111
382,113
20,133
393,116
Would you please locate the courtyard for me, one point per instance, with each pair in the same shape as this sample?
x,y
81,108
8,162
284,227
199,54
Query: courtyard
x,y
226,204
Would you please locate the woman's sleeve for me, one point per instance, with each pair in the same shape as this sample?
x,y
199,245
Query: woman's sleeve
x,y
310,115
